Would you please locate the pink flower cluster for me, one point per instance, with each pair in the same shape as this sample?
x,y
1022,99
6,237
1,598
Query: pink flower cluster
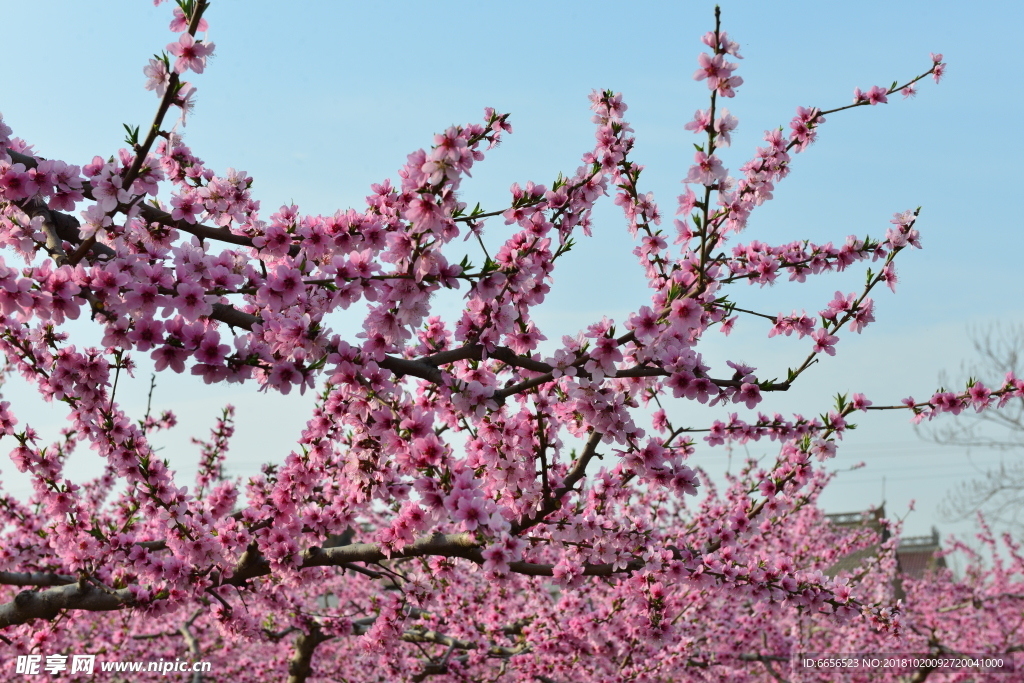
x,y
464,498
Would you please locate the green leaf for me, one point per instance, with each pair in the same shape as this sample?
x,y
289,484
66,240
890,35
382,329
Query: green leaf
x,y
133,135
840,402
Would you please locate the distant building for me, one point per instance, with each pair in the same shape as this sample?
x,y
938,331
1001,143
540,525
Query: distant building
x,y
871,519
915,555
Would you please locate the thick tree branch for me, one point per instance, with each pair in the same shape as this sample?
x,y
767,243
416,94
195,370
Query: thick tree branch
x,y
47,604
58,228
301,664
193,644
35,579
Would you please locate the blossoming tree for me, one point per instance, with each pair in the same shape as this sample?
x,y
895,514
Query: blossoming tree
x,y
460,504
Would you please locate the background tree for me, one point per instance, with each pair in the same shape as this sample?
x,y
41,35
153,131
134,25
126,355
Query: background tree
x,y
999,490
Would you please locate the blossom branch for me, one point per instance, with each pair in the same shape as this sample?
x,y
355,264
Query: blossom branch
x,y
67,226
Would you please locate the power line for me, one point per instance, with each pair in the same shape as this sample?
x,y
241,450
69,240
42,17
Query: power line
x,y
880,475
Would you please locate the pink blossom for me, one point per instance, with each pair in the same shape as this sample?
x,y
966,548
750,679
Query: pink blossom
x,y
724,125
157,76
108,190
190,53
889,276
147,334
186,208
172,357
823,341
701,121
496,559
860,402
863,315
471,512
210,351
94,219
645,324
980,396
567,573
179,23
714,68
16,183
562,364
804,125
184,100
875,95
7,420
687,202
707,170
939,67
749,393
191,301
822,449
723,44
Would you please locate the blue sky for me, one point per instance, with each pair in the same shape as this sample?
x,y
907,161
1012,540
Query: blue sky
x,y
319,100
